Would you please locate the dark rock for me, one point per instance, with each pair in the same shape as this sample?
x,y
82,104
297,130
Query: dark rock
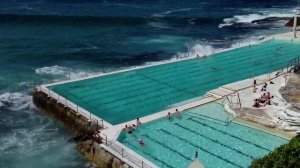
x,y
271,20
290,23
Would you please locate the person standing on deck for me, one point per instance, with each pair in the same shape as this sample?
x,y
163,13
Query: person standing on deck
x,y
177,113
138,122
254,86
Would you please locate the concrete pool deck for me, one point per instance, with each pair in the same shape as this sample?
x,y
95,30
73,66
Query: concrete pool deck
x,y
111,132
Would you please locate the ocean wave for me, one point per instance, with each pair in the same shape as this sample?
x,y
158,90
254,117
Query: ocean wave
x,y
63,72
202,49
30,140
198,50
250,18
16,101
162,14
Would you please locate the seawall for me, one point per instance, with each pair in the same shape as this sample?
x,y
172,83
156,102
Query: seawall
x,y
78,125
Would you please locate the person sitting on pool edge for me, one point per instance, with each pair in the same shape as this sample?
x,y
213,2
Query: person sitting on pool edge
x,y
138,122
256,103
254,86
169,115
128,129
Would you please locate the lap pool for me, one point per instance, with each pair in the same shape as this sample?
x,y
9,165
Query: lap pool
x,y
122,97
172,143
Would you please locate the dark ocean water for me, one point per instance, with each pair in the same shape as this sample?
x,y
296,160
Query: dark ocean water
x,y
47,40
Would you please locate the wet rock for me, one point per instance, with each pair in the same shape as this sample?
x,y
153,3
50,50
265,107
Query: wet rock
x,y
116,163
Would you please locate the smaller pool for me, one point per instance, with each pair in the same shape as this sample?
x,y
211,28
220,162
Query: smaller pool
x,y
172,143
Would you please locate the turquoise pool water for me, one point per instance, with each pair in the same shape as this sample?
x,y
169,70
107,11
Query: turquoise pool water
x,y
125,96
172,144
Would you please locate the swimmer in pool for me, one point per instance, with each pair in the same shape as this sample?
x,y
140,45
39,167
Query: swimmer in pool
x,y
141,142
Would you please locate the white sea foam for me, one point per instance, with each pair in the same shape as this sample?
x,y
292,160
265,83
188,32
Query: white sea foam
x,y
198,50
16,101
201,49
64,72
28,141
52,70
249,18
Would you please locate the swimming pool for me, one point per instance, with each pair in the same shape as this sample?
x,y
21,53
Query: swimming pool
x,y
172,144
122,97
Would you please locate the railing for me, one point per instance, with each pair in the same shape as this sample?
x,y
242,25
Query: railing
x,y
60,99
127,155
292,63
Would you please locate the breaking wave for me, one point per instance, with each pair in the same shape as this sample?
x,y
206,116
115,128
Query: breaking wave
x,y
203,50
16,101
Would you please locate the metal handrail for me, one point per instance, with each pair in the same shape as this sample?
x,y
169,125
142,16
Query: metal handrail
x,y
124,154
71,105
292,63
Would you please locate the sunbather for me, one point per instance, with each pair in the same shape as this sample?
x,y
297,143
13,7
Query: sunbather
x,y
256,103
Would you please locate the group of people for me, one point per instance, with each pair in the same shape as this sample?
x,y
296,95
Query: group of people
x,y
264,88
265,99
131,128
177,113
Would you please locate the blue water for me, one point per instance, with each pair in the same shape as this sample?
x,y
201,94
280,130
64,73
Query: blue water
x,y
172,143
46,40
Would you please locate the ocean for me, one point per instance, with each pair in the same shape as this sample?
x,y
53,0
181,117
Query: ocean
x,y
54,40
